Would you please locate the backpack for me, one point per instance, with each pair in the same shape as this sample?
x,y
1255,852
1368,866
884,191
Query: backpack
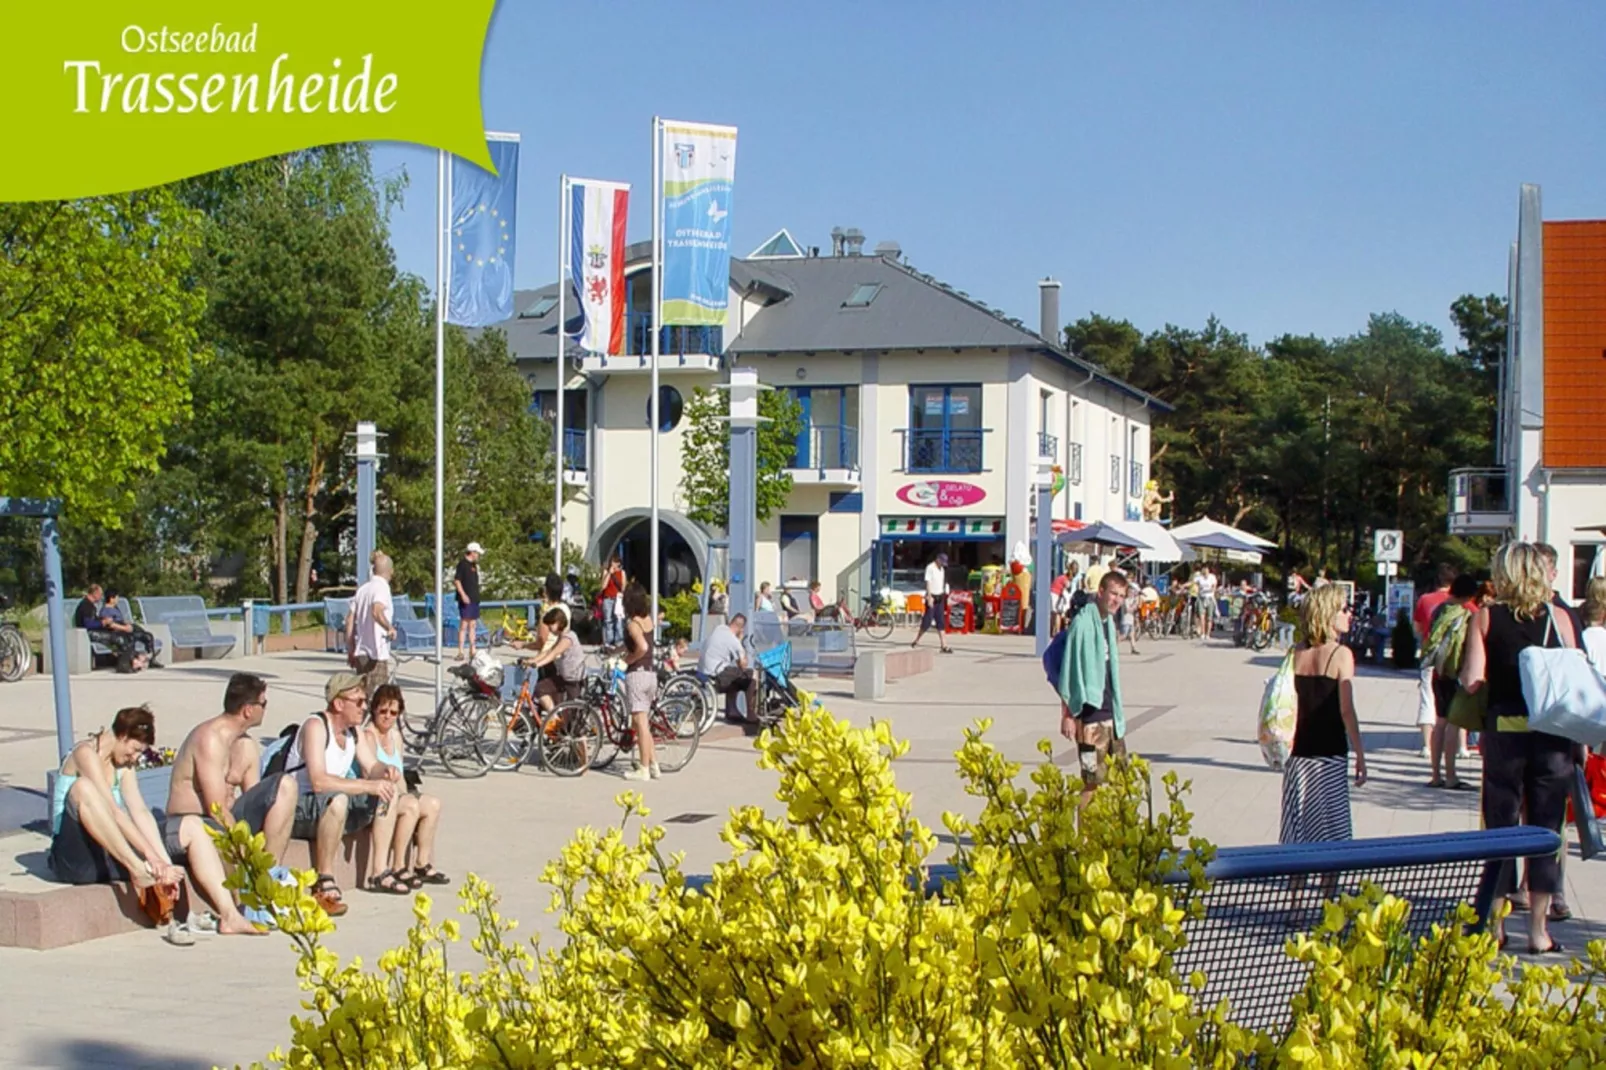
x,y
277,753
1446,641
1054,656
1279,710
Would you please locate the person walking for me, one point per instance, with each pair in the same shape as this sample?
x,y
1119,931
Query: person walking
x,y
1527,775
369,626
1422,620
936,615
1316,807
467,588
1207,602
1446,740
1091,712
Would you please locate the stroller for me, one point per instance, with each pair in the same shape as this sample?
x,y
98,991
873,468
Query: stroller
x,y
776,691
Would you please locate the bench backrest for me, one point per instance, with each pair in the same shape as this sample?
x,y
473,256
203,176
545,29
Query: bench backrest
x,y
157,610
401,608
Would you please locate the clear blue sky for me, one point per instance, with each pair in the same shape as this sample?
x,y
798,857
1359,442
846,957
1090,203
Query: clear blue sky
x,y
1286,167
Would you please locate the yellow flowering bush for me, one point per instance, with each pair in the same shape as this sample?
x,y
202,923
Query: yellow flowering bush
x,y
814,945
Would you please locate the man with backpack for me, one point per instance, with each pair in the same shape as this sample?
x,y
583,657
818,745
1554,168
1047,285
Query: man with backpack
x,y
333,798
1083,664
218,759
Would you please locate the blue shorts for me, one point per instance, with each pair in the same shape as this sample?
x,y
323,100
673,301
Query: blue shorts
x,y
468,612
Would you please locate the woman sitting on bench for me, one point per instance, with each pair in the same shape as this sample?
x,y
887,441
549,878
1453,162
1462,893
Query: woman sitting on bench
x,y
101,829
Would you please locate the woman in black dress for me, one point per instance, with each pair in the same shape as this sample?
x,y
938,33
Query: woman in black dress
x,y
1525,773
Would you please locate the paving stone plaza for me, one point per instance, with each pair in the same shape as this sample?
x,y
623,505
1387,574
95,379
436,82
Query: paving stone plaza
x,y
1190,708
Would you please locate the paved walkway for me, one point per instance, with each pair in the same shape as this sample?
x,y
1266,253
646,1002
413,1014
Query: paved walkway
x,y
134,1001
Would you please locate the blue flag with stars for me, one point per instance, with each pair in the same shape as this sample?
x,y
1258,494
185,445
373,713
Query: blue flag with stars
x,y
484,220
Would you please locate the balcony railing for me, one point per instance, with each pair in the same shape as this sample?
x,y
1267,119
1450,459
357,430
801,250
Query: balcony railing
x,y
1073,464
828,446
672,341
942,451
1480,501
1134,480
574,449
1115,473
1048,446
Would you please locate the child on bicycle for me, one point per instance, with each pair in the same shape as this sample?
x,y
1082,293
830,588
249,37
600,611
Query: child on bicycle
x,y
676,656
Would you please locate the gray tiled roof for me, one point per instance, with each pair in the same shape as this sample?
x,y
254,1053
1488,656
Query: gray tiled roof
x,y
806,314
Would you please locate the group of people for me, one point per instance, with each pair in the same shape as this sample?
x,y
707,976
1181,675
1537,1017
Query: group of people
x,y
1074,588
103,614
1527,774
337,773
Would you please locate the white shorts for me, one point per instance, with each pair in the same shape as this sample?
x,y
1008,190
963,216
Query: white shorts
x,y
1425,713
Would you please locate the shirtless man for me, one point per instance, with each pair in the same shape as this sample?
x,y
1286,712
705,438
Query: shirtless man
x,y
219,758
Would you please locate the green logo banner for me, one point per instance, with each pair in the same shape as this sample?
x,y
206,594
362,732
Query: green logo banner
x,y
104,96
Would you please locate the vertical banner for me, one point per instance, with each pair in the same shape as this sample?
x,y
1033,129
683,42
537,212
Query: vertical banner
x,y
598,212
699,175
484,221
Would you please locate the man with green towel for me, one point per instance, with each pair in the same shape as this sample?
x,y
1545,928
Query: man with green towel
x,y
1090,684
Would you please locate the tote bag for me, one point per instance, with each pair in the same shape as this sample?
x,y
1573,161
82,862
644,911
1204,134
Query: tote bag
x,y
1565,696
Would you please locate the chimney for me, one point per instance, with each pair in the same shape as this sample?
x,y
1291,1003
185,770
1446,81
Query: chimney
x,y
836,241
1050,326
889,250
853,238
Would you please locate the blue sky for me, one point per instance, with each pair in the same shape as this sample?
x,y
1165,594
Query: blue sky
x,y
1288,168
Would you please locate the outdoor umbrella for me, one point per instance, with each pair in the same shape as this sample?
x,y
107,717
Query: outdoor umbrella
x,y
1219,540
1102,534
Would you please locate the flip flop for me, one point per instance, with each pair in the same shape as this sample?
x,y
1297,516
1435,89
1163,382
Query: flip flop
x,y
1559,912
1461,785
1435,784
1555,948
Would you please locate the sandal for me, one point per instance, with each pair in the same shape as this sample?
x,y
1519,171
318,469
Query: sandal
x,y
1559,912
1555,948
1460,785
389,884
1435,783
179,934
326,893
429,875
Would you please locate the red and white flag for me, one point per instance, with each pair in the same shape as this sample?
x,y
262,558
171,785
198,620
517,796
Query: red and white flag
x,y
597,215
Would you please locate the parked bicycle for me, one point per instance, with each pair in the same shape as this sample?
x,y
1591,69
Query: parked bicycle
x,y
16,654
466,732
1259,623
874,618
673,721
563,739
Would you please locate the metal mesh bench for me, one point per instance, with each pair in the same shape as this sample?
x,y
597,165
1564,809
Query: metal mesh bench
x,y
414,634
186,621
335,611
449,622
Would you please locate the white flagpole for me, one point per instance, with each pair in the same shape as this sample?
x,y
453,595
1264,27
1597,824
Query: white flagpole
x,y
657,315
443,198
563,290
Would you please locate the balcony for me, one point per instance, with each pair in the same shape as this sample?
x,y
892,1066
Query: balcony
x,y
680,349
574,456
1134,480
1481,502
827,455
1048,447
1073,464
941,451
1115,473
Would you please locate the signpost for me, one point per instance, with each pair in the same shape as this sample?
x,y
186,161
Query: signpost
x,y
1388,546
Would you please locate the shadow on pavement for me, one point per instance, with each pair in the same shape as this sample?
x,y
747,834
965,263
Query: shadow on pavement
x,y
83,1054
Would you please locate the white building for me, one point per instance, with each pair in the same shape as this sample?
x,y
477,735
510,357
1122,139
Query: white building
x,y
1549,482
927,416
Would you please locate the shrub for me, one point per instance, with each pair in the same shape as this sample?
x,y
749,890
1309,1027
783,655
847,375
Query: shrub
x,y
814,946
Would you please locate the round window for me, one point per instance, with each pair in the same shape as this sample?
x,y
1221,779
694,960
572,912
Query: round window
x,y
670,409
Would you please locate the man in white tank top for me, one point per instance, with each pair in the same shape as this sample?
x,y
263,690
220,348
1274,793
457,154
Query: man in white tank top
x,y
335,799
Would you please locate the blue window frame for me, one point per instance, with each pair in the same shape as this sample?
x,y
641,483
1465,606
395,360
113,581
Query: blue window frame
x,y
945,431
826,439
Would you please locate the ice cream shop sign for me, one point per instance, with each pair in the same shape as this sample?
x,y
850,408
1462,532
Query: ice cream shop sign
x,y
941,494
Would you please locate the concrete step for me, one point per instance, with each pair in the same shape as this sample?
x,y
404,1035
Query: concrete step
x,y
39,913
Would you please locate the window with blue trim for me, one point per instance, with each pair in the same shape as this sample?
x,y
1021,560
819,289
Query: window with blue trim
x,y
945,431
829,435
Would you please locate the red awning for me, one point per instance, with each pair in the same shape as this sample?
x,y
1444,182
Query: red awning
x,y
1060,527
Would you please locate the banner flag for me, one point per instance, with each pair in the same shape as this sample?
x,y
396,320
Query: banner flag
x,y
484,225
699,176
597,215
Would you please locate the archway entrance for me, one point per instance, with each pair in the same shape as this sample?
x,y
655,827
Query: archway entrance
x,y
682,546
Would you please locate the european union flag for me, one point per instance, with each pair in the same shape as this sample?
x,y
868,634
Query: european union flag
x,y
484,223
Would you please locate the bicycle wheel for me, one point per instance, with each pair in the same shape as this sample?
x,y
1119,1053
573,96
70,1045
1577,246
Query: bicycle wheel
x,y
674,733
519,743
570,736
16,656
879,626
470,736
686,687
614,728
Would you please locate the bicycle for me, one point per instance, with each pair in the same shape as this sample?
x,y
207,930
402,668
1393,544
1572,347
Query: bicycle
x,y
673,722
514,629
16,654
1260,626
465,731
874,618
1151,620
563,742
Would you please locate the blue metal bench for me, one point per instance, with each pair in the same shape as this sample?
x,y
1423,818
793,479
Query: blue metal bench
x,y
1258,898
334,624
186,621
414,634
449,622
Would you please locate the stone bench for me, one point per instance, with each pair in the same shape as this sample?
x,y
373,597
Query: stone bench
x,y
40,914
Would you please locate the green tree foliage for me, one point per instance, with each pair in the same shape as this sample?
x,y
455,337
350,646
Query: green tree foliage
x,y
1316,442
98,335
705,454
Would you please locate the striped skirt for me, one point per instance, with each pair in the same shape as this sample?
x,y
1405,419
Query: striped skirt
x,y
1316,800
